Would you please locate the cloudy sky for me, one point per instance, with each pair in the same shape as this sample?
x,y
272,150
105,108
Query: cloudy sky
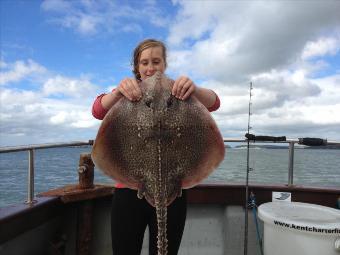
x,y
58,55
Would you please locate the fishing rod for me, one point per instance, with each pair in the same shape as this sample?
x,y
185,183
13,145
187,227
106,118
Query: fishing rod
x,y
247,177
250,203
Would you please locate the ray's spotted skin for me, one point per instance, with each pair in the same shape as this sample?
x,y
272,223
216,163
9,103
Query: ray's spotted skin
x,y
158,145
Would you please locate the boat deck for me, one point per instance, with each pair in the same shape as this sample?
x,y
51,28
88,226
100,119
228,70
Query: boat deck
x,y
215,222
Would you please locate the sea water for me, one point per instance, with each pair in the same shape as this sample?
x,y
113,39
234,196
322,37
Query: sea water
x,y
58,167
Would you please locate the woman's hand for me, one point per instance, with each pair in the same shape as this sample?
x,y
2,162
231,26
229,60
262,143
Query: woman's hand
x,y
130,89
183,88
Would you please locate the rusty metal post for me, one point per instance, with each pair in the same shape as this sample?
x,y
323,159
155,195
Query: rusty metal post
x,y
85,208
86,171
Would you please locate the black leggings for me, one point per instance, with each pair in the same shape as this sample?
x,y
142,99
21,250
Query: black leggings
x,y
130,216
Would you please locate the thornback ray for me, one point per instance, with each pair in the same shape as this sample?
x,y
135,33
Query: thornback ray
x,y
158,146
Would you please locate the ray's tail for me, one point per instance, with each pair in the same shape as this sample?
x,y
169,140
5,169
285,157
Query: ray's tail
x,y
161,203
162,241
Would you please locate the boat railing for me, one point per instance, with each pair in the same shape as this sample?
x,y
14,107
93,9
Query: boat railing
x,y
32,148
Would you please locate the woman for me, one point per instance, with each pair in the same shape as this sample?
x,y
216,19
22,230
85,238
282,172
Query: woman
x,y
131,215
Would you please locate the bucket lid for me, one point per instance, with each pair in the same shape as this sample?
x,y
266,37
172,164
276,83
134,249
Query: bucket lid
x,y
301,216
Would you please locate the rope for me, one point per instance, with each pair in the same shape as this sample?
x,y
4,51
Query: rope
x,y
252,204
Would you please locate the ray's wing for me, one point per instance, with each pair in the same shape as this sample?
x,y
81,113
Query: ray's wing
x,y
206,143
121,142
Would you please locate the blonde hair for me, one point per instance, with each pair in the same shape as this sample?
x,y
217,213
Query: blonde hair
x,y
148,43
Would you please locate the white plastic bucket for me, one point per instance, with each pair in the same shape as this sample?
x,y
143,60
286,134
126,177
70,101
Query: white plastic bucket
x,y
300,228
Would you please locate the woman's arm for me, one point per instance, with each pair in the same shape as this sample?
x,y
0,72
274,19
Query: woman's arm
x,y
184,87
103,103
128,87
206,96
110,99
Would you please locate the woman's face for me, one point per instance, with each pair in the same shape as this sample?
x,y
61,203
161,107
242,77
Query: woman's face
x,y
151,60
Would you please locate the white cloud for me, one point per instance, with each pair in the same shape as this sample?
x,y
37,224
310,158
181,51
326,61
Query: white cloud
x,y
19,70
132,27
91,17
56,5
330,91
55,110
283,105
59,118
83,23
321,47
74,118
246,38
2,64
87,24
84,120
193,20
82,16
59,85
227,44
